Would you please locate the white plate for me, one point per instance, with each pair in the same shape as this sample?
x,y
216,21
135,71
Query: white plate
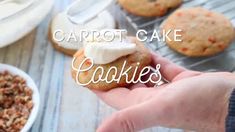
x,y
20,24
31,84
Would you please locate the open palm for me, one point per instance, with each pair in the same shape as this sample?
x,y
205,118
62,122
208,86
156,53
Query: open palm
x,y
191,100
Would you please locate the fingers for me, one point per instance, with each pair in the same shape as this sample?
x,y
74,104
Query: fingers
x,y
115,98
168,69
137,85
132,119
186,75
120,98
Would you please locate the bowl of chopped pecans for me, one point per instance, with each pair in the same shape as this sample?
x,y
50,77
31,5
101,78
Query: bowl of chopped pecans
x,y
19,100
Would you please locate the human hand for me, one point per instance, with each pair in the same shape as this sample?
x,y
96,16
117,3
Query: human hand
x,y
191,100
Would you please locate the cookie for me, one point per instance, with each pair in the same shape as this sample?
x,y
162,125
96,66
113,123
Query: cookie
x,y
141,56
69,52
204,33
149,8
104,20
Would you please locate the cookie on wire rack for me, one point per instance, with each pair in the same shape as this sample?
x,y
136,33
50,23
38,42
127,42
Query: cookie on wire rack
x,y
204,33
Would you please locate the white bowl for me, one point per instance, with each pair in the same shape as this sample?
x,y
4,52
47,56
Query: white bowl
x,y
21,23
31,84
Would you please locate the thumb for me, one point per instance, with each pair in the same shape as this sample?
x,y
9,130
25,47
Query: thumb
x,y
133,118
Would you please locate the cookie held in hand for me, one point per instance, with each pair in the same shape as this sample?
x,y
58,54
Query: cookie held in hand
x,y
139,59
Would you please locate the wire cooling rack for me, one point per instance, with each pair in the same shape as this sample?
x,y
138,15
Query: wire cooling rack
x,y
221,62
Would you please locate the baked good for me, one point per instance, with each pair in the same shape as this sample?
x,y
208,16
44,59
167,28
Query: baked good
x,y
141,57
104,20
204,33
149,8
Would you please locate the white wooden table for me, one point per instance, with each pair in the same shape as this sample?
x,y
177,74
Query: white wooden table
x,y
65,107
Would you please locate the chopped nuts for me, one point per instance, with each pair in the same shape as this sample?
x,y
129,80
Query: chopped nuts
x,y
15,102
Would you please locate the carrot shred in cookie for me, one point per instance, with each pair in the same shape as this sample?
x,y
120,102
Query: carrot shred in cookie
x,y
221,46
162,10
184,49
88,62
212,40
204,49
